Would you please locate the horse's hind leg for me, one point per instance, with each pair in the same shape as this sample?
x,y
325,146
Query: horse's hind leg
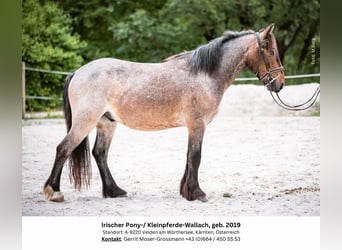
x,y
105,130
189,187
63,151
75,137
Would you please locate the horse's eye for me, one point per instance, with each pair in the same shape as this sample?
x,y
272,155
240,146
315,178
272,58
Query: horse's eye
x,y
272,53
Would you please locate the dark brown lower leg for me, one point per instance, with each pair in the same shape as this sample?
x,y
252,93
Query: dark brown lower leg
x,y
52,185
105,131
189,187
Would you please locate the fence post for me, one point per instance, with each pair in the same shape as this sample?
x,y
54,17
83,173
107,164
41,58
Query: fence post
x,y
23,90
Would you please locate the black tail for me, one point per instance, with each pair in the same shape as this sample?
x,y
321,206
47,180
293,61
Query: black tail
x,y
79,160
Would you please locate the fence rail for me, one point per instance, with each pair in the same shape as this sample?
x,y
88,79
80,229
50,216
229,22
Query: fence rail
x,y
286,77
48,71
44,98
24,68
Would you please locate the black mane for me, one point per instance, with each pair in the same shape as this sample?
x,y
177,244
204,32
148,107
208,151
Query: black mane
x,y
207,58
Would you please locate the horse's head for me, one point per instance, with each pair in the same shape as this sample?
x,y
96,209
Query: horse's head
x,y
267,65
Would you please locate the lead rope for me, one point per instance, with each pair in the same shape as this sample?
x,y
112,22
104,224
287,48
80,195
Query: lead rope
x,y
298,107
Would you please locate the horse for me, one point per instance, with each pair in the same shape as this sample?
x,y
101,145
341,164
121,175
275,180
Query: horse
x,y
184,90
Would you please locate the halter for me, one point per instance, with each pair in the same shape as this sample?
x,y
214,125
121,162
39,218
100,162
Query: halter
x,y
269,71
309,103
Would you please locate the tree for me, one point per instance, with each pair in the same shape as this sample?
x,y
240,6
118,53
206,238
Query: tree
x,y
149,35
298,24
48,43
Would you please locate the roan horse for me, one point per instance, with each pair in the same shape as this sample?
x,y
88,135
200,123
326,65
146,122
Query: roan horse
x,y
184,90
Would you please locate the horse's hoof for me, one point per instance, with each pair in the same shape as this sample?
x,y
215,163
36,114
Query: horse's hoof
x,y
122,196
115,192
202,198
52,195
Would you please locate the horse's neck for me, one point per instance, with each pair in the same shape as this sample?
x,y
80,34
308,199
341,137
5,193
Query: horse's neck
x,y
234,59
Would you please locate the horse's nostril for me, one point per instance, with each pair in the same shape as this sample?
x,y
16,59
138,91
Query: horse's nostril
x,y
281,86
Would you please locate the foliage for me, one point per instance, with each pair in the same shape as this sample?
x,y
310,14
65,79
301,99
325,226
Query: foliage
x,y
150,30
47,43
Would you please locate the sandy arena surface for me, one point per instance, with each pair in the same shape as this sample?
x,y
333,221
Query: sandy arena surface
x,y
257,159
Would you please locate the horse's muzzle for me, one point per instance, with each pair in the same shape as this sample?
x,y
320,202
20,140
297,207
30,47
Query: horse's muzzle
x,y
273,85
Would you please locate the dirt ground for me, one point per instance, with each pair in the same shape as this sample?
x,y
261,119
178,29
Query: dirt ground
x,y
257,159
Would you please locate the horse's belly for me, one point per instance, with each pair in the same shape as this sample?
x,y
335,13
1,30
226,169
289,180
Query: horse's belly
x,y
149,122
146,116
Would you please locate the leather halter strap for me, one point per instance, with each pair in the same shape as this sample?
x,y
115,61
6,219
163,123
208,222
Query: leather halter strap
x,y
261,54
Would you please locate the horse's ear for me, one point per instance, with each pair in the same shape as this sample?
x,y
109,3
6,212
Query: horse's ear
x,y
268,30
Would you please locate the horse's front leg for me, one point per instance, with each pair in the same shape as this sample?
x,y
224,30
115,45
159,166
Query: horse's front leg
x,y
189,187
